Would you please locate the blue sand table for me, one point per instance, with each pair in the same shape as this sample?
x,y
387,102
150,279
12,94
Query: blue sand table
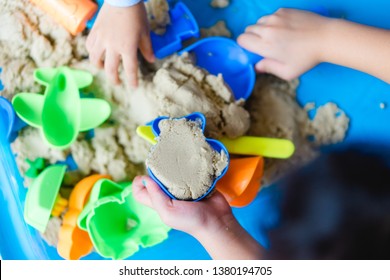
x,y
358,94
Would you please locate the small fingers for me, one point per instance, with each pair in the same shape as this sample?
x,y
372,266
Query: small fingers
x,y
254,29
276,68
146,48
140,193
111,65
263,20
130,65
160,201
90,42
96,57
253,43
95,50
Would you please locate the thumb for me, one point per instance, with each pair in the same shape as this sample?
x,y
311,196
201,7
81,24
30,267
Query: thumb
x,y
274,67
160,201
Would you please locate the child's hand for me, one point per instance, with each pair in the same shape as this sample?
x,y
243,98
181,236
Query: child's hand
x,y
195,218
210,221
116,35
291,42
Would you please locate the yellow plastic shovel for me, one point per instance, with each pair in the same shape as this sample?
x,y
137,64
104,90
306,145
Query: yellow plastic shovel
x,y
245,145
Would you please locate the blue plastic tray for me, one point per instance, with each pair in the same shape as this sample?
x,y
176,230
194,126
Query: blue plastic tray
x,y
358,94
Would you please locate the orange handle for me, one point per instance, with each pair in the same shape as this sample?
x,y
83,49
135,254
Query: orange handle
x,y
71,14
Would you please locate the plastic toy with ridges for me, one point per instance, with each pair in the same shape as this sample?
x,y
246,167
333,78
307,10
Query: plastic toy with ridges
x,y
71,14
242,181
60,113
42,195
183,26
74,243
117,224
60,205
216,145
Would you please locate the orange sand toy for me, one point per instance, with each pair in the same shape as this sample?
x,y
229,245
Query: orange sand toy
x,y
74,243
71,14
242,181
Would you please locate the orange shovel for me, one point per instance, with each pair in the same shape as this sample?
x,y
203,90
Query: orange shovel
x,y
73,242
241,182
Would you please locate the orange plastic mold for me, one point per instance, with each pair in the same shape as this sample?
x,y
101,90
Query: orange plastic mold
x,y
73,242
242,181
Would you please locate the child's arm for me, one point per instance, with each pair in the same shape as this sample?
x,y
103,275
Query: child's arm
x,y
116,36
210,221
294,41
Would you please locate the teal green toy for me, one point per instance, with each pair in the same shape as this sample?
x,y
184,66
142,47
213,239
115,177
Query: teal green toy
x,y
117,224
36,167
60,112
41,196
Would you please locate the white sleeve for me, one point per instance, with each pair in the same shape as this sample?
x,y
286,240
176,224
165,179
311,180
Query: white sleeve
x,y
122,3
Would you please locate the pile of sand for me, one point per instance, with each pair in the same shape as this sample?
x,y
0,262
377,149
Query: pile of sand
x,y
29,39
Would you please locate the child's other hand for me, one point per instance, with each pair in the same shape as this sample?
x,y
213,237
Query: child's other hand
x,y
195,218
291,42
116,35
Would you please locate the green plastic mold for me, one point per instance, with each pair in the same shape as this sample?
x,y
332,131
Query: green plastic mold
x,y
117,224
60,112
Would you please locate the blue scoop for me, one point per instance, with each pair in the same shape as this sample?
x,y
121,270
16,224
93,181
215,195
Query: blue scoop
x,y
224,56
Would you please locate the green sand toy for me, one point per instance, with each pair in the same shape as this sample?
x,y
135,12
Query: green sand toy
x,y
41,196
60,112
117,224
36,167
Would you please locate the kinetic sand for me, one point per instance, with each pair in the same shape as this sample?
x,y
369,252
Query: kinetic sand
x,y
220,3
29,39
183,161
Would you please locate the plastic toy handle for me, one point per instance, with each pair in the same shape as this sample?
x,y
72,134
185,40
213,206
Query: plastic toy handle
x,y
253,57
71,14
146,132
266,147
245,145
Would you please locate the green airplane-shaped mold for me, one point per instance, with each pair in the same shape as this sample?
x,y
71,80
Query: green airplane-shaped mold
x,y
60,112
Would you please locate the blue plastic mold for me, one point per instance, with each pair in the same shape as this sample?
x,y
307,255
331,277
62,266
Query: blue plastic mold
x,y
216,145
183,27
